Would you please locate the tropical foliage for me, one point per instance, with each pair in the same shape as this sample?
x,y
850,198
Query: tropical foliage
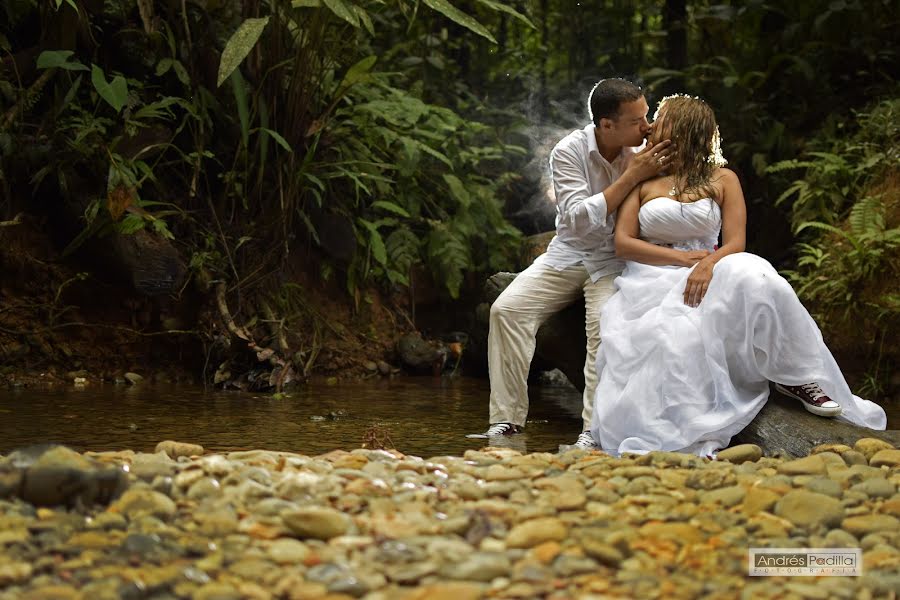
x,y
380,142
846,205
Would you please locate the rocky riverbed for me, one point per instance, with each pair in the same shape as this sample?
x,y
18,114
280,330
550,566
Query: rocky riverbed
x,y
493,523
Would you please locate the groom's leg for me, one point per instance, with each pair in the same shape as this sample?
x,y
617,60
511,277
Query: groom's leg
x,y
595,296
534,295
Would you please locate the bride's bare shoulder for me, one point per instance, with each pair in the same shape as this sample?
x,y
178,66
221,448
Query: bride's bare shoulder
x,y
724,174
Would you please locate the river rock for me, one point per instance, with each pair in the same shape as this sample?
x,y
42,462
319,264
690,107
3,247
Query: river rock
x,y
52,475
316,522
14,572
885,458
869,447
809,509
864,524
741,453
727,496
875,488
809,465
823,485
479,566
537,531
141,502
150,466
838,538
176,449
288,551
852,457
447,591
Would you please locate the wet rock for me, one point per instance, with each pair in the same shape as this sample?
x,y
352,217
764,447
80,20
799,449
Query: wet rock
x,y
421,355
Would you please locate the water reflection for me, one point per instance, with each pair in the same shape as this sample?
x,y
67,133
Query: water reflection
x,y
423,416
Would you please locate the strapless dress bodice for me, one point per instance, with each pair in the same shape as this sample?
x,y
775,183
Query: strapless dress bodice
x,y
683,226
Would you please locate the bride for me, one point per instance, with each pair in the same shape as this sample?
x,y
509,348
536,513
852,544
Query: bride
x,y
696,330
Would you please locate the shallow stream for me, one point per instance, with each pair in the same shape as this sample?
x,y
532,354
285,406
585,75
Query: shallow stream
x,y
422,416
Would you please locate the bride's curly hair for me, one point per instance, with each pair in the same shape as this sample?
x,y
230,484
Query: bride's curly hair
x,y
691,125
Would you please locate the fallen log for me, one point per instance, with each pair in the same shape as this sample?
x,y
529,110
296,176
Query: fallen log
x,y
782,427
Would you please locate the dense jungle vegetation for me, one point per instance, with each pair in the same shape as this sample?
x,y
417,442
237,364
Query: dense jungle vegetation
x,y
271,157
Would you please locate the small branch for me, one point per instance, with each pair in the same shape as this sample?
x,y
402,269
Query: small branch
x,y
35,88
17,220
261,353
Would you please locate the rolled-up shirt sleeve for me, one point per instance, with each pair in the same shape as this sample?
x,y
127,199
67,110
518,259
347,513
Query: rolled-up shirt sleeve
x,y
578,211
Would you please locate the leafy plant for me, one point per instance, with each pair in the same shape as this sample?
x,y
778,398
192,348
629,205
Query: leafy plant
x,y
847,207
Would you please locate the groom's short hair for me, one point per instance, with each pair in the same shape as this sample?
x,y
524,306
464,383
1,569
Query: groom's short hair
x,y
608,94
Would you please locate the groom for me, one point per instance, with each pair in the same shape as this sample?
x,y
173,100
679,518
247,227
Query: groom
x,y
593,170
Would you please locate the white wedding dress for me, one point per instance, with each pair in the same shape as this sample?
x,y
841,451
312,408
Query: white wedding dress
x,y
673,377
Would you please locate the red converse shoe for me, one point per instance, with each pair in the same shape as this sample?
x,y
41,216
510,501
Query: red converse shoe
x,y
813,398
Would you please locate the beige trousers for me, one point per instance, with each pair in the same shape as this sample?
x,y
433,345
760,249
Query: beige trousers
x,y
537,293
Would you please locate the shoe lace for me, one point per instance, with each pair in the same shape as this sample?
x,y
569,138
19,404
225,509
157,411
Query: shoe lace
x,y
499,429
813,390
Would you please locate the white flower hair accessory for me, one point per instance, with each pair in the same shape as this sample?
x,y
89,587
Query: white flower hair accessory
x,y
715,150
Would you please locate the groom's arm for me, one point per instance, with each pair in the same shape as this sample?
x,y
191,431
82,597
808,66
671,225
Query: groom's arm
x,y
580,211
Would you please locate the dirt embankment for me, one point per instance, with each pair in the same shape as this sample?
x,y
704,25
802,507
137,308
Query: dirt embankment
x,y
61,319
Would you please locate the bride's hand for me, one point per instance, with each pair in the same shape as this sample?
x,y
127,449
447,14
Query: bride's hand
x,y
689,258
698,283
652,160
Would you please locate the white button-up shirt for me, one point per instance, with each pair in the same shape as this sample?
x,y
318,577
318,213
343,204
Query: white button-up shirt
x,y
584,233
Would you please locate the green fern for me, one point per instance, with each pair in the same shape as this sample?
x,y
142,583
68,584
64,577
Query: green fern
x,y
449,258
403,252
867,217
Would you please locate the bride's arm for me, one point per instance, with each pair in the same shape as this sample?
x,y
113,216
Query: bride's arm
x,y
734,237
629,246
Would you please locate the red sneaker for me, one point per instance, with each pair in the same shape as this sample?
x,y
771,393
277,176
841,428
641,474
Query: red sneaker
x,y
813,398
